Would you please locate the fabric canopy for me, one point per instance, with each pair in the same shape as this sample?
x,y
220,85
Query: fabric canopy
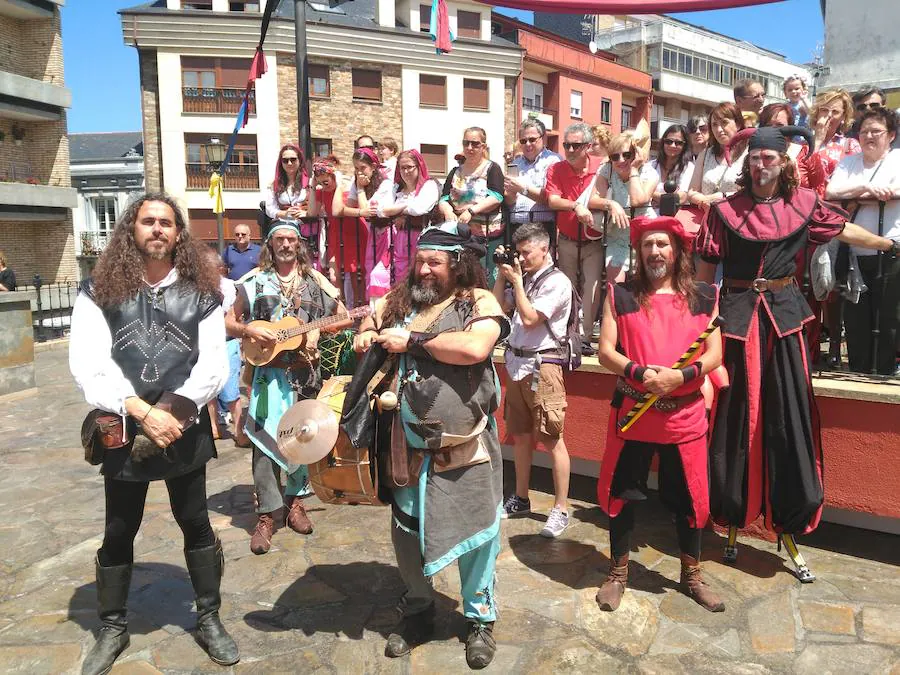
x,y
623,6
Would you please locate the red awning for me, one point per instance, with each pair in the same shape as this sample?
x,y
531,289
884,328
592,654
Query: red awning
x,y
623,6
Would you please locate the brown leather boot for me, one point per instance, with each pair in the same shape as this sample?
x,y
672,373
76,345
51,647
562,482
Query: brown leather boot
x,y
296,518
693,586
261,540
610,594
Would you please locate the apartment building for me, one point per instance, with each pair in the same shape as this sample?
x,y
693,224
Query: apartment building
x,y
373,69
692,68
36,198
564,82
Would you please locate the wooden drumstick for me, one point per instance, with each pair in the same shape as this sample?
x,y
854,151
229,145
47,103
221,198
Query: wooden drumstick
x,y
387,401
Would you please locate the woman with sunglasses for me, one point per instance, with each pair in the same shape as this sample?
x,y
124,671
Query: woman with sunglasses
x,y
412,199
367,191
714,177
832,116
287,194
673,162
473,193
698,128
346,241
629,184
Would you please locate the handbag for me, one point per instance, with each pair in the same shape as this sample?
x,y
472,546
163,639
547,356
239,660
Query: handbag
x,y
102,431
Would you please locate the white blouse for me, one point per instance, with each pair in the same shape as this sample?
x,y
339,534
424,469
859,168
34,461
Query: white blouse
x,y
283,201
416,204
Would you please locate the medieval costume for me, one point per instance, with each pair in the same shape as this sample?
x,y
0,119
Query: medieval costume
x,y
169,339
675,428
290,377
446,506
766,452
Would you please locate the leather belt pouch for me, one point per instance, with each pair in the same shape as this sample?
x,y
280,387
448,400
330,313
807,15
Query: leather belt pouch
x,y
102,431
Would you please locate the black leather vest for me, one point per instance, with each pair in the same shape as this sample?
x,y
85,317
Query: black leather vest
x,y
155,343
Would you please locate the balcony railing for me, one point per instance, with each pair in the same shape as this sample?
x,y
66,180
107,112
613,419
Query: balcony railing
x,y
237,177
92,242
18,172
215,101
528,105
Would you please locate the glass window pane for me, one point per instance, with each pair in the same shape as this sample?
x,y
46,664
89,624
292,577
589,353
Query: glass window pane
x,y
208,79
190,79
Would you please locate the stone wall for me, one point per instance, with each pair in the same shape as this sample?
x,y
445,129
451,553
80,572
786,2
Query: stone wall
x,y
340,118
149,74
45,248
32,48
16,343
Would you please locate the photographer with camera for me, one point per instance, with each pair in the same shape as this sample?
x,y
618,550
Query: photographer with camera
x,y
540,300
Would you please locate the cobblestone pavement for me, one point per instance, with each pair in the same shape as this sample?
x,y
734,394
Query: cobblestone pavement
x,y
324,603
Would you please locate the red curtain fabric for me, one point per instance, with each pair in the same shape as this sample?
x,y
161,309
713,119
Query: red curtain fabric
x,y
624,7
442,41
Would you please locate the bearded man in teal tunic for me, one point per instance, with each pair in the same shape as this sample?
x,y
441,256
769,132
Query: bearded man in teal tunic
x,y
440,327
284,284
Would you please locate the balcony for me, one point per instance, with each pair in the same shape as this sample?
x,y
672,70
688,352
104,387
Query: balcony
x,y
24,196
545,115
237,177
91,242
27,99
215,101
25,10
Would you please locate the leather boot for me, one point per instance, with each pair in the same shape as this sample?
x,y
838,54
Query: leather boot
x,y
206,565
412,630
693,586
296,518
610,594
112,596
261,541
480,644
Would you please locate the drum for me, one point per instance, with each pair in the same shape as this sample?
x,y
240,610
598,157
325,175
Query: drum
x,y
346,475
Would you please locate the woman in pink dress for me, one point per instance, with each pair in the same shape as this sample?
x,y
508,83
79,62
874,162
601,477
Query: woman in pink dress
x,y
414,196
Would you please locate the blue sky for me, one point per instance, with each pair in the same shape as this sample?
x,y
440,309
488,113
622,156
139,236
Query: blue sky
x,y
102,72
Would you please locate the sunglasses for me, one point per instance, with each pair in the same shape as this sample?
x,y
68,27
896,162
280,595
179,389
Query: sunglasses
x,y
526,141
672,141
862,107
572,147
289,160
703,128
622,156
472,144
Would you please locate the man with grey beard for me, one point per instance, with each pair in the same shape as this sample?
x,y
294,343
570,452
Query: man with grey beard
x,y
648,322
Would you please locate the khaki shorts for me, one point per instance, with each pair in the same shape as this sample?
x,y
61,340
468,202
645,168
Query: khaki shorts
x,y
540,412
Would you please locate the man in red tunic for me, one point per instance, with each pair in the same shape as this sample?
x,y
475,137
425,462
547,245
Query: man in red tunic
x,y
647,324
765,448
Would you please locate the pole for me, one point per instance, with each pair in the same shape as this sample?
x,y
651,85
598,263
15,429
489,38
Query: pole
x,y
302,68
220,227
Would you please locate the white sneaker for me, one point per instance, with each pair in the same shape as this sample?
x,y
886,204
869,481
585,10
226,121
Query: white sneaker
x,y
557,522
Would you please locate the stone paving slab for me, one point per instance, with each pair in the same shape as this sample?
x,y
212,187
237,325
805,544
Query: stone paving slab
x,y
324,603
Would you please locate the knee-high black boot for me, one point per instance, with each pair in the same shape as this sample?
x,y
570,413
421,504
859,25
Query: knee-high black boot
x,y
112,596
206,565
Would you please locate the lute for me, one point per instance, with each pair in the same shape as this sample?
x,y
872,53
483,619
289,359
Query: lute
x,y
290,334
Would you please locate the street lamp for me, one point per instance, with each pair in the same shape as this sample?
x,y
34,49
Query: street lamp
x,y
215,155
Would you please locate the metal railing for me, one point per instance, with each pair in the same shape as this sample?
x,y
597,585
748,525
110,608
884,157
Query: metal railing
x,y
237,177
92,242
215,100
51,310
18,172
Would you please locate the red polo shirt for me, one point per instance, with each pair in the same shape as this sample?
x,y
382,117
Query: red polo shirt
x,y
564,182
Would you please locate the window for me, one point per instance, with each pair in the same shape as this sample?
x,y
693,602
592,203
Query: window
x,y
366,85
575,104
197,4
605,111
243,167
321,147
626,116
239,6
319,82
532,95
424,18
468,24
104,214
475,94
432,91
435,157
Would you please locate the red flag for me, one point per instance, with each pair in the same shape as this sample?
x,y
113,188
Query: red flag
x,y
623,6
258,67
442,38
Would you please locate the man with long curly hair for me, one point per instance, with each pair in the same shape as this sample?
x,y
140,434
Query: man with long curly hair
x,y
440,328
285,285
149,325
647,323
765,449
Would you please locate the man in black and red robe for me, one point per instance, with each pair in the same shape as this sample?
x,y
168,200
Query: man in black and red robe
x,y
648,322
765,449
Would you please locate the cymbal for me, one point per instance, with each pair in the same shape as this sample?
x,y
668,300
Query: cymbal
x,y
307,432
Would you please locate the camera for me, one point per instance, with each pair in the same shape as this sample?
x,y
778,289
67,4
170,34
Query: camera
x,y
505,256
